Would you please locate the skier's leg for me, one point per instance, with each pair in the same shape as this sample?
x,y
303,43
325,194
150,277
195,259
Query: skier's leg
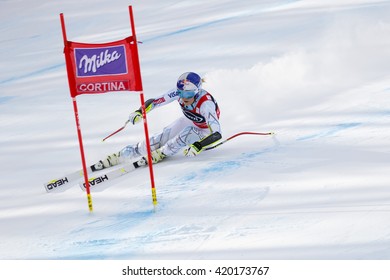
x,y
109,161
156,141
187,136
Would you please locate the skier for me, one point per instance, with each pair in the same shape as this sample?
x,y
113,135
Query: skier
x,y
197,129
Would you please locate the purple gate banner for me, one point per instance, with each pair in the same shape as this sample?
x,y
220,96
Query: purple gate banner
x,y
102,61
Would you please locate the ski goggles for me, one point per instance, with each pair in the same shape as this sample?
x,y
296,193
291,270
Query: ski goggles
x,y
187,93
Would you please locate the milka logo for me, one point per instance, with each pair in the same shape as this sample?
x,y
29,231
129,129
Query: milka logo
x,y
96,61
101,61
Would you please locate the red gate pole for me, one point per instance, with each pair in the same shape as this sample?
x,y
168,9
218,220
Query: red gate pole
x,y
154,196
76,114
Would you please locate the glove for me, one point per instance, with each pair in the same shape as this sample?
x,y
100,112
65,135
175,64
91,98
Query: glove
x,y
135,117
193,150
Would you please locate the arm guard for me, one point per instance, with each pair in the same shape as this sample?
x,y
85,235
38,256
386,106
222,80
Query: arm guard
x,y
148,106
212,138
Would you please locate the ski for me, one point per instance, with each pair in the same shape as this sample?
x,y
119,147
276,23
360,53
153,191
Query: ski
x,y
109,176
66,181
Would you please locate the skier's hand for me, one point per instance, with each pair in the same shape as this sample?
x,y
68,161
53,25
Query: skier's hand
x,y
135,117
193,150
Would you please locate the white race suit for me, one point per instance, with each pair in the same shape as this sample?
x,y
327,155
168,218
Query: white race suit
x,y
200,123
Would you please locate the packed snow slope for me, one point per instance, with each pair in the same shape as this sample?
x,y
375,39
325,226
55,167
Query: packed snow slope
x,y
314,72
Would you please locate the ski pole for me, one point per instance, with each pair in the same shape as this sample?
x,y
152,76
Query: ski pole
x,y
238,134
115,132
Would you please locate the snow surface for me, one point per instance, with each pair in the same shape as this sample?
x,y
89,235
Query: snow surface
x,y
315,72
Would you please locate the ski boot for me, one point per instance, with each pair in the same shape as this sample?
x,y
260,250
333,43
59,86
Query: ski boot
x,y
109,161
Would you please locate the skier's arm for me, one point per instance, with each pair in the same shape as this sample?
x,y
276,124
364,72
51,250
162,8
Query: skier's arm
x,y
207,141
152,103
195,148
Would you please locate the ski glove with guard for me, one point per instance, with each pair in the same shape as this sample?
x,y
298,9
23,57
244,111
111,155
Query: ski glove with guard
x,y
193,150
135,117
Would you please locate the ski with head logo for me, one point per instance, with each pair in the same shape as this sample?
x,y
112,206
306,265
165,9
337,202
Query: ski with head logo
x,y
104,178
63,183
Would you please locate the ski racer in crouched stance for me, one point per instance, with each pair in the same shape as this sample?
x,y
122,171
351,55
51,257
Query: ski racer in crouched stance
x,y
197,129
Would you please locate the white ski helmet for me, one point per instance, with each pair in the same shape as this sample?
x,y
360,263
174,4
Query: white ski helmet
x,y
189,84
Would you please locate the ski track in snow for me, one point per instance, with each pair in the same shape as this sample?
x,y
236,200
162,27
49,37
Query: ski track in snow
x,y
208,24
33,74
330,131
5,99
